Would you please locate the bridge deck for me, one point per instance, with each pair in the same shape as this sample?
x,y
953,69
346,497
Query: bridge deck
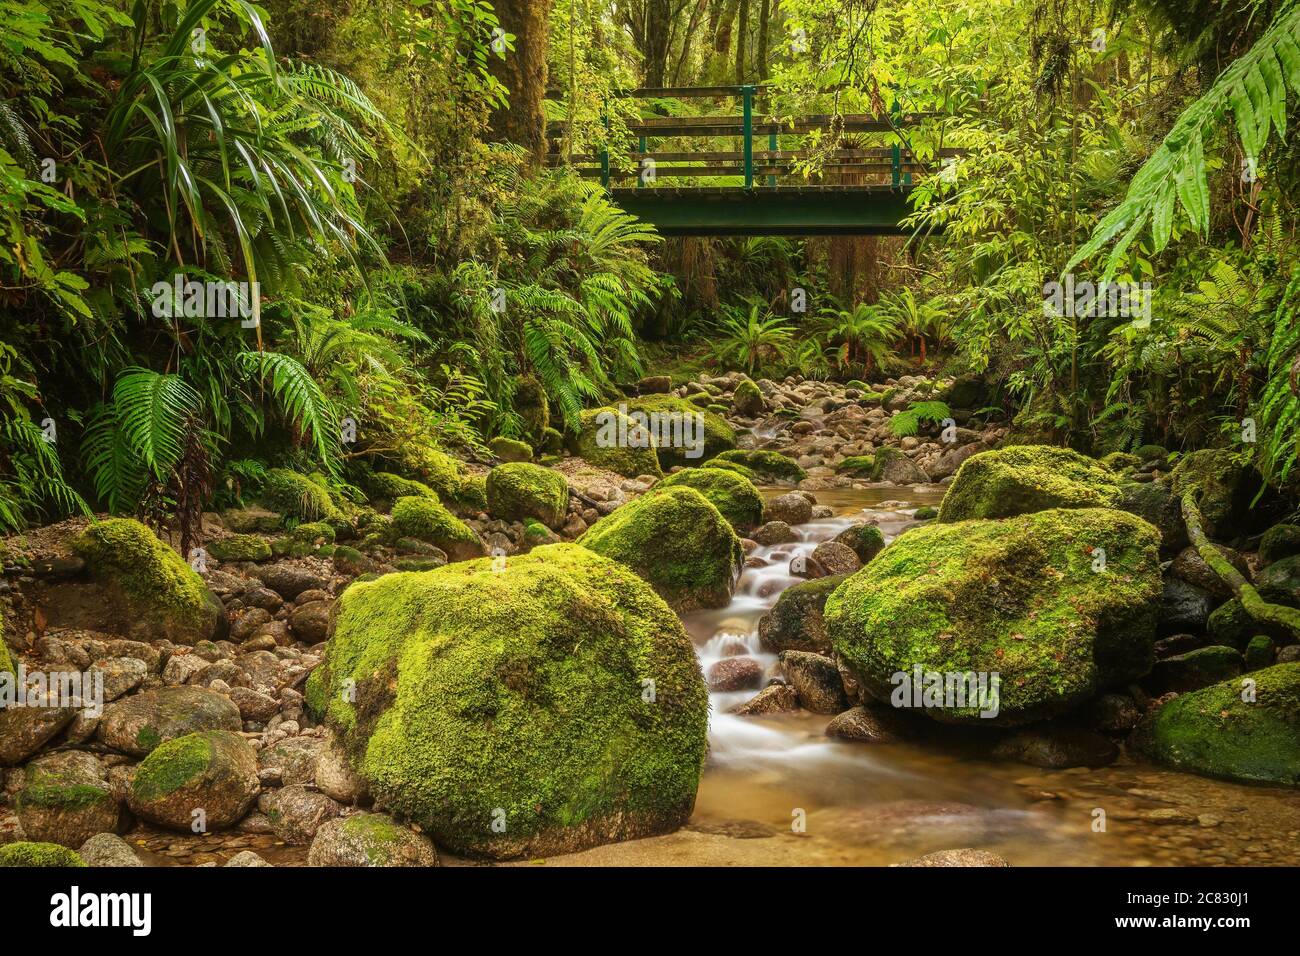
x,y
770,210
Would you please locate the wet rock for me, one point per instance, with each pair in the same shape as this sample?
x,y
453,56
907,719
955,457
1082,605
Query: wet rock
x,y
335,777
310,622
1196,669
774,532
795,622
1259,652
774,699
296,813
1113,714
836,558
108,850
1189,566
792,508
24,730
1183,607
865,539
288,580
1179,644
947,464
734,673
963,857
869,725
66,799
208,777
246,858
254,705
136,725
294,760
1057,748
246,621
369,839
816,680
1280,581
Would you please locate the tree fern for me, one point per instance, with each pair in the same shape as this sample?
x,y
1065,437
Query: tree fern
x,y
908,422
1254,89
301,398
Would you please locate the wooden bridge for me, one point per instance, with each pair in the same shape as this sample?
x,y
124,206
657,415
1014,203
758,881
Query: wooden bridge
x,y
689,191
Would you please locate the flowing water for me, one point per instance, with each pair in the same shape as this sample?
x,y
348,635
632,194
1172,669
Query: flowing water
x,y
777,790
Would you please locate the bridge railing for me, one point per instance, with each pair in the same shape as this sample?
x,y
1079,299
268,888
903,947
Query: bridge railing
x,y
895,164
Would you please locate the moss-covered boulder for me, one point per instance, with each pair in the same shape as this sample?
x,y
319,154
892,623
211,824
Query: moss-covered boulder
x,y
859,466
865,539
386,486
139,723
544,708
666,410
297,496
732,494
1280,581
428,520
1279,541
208,777
240,547
1225,487
155,590
519,490
747,473
678,541
1023,479
610,440
1245,729
39,854
369,839
768,465
471,496
747,399
532,407
511,449
1021,598
66,798
796,622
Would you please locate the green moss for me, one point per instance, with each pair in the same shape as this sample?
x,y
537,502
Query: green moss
x,y
678,541
866,540
439,471
378,833
596,443
1121,461
532,407
552,442
1018,597
508,449
159,587
314,692
521,690
6,662
747,473
862,465
429,521
1214,731
39,854
1259,652
718,435
768,465
171,765
520,490
1279,541
1151,453
385,485
732,494
47,792
1223,486
471,497
313,532
1026,478
240,547
748,398
925,513
297,496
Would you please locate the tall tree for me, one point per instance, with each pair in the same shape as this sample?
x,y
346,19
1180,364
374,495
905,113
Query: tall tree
x,y
523,72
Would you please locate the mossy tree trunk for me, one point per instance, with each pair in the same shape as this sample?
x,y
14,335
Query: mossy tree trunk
x,y
523,72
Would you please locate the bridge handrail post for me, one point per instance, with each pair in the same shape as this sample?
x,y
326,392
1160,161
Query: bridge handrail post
x,y
747,96
604,153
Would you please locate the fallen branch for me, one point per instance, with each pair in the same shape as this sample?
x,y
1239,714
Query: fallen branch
x,y
1261,610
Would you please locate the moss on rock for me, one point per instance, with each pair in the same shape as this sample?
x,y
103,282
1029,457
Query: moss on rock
x,y
718,435
1233,730
768,465
509,449
597,442
297,496
1023,479
429,521
240,547
732,494
734,466
213,771
519,490
389,487
1279,541
160,594
39,854
1018,597
678,541
1224,486
546,708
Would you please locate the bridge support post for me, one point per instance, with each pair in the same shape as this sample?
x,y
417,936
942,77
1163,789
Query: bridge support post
x,y
747,97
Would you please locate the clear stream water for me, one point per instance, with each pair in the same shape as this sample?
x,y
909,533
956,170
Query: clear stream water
x,y
777,791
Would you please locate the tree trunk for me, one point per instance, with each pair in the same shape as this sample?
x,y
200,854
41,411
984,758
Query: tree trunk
x,y
523,71
764,25
742,41
658,20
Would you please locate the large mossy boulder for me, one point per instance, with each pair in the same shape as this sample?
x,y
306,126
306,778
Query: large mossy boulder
x,y
297,496
1021,598
209,778
542,708
678,541
732,494
386,486
1247,729
1225,487
427,520
767,465
518,491
155,591
66,798
610,440
1023,479
667,410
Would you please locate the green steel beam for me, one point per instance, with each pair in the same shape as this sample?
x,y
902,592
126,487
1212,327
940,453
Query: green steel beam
x,y
776,211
